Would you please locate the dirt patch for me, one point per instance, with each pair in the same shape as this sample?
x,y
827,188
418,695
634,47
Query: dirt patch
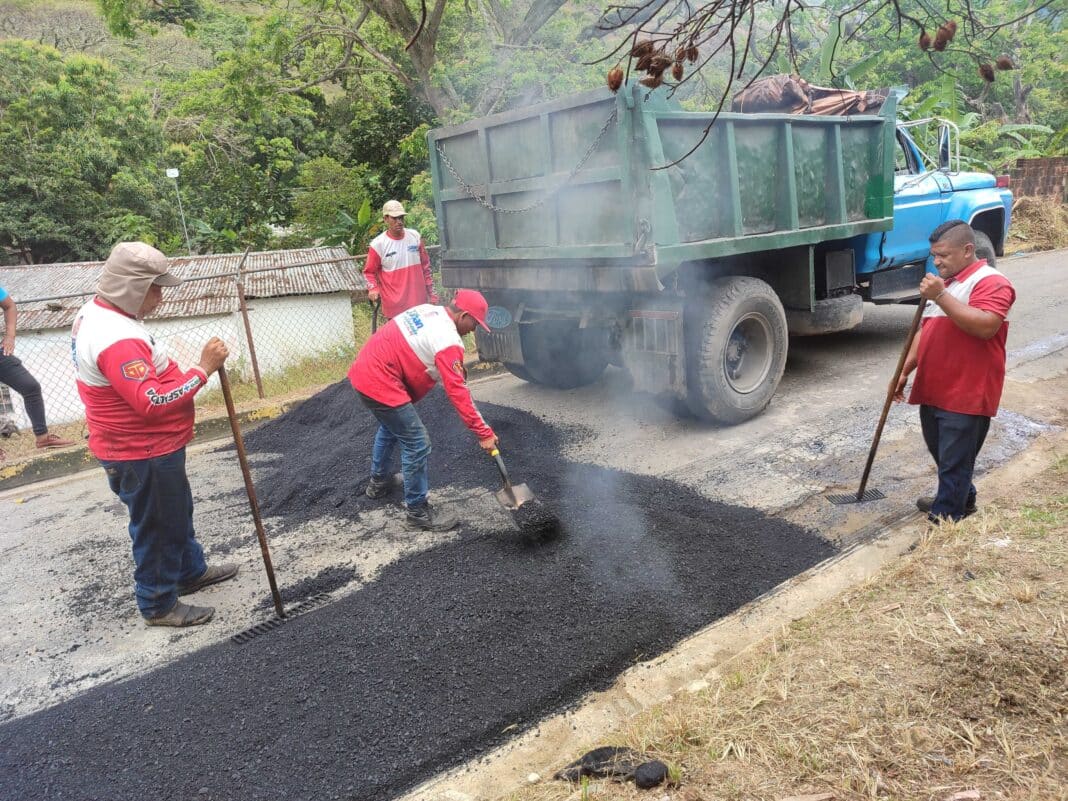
x,y
1037,224
1013,674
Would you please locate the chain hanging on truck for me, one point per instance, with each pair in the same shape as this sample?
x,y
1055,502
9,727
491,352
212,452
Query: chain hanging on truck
x,y
482,201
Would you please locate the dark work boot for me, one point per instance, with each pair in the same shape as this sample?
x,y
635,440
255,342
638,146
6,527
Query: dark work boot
x,y
924,504
429,519
378,487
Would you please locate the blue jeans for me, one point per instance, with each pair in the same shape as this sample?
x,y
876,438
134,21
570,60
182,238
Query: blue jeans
x,y
954,441
165,550
401,424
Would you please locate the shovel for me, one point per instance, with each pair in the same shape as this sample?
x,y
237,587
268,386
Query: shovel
x,y
510,496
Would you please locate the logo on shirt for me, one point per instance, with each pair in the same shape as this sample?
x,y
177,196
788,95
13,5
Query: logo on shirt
x,y
136,370
175,394
458,368
412,321
413,248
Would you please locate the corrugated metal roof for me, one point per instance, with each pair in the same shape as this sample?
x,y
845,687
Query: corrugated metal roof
x,y
307,271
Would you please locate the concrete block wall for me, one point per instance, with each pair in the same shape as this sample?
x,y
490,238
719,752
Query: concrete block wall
x,y
1045,177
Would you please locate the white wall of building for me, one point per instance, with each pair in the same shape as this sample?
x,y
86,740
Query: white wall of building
x,y
286,331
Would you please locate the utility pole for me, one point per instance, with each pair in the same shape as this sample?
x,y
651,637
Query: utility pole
x,y
172,172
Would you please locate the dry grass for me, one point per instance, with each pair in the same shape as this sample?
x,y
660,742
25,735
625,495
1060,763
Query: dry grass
x,y
1037,224
944,673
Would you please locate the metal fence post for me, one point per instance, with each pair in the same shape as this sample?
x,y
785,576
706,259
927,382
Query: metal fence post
x,y
248,327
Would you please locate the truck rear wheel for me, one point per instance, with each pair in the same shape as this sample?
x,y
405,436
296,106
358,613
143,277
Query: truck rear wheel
x,y
737,349
559,354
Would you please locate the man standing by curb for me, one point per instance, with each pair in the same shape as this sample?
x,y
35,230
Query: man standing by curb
x,y
397,366
139,409
397,268
959,358
19,379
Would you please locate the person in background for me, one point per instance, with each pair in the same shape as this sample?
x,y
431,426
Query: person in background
x,y
397,267
139,409
959,358
19,379
397,366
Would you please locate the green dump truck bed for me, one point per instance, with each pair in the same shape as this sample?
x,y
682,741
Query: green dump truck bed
x,y
574,183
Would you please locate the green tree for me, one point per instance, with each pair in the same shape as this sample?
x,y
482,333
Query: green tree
x,y
77,157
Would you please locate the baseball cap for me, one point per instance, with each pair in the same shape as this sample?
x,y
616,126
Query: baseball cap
x,y
473,303
393,208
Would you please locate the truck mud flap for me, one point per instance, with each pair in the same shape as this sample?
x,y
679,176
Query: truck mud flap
x,y
654,349
501,343
896,285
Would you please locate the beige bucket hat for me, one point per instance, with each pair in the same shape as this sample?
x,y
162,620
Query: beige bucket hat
x,y
129,271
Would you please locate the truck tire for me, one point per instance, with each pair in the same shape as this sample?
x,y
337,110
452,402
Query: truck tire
x,y
519,371
559,354
737,350
984,249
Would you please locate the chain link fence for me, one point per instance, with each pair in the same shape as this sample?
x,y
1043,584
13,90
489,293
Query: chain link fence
x,y
279,346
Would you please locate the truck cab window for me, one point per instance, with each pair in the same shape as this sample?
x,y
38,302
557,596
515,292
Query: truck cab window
x,y
902,163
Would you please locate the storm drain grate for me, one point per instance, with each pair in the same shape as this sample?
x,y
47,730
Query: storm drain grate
x,y
266,626
841,499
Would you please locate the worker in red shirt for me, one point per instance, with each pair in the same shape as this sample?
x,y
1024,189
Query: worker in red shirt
x,y
397,366
139,410
397,267
959,358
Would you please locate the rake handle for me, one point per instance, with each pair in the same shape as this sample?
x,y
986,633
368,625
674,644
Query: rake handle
x,y
250,489
890,394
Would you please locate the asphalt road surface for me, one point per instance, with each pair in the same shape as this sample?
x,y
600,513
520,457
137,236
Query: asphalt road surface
x,y
434,647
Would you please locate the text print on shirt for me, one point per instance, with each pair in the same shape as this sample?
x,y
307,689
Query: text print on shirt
x,y
161,400
412,321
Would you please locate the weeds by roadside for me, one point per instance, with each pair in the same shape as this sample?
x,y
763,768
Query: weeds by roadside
x,y
944,673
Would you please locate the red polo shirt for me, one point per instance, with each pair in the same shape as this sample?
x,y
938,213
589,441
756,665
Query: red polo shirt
x,y
956,371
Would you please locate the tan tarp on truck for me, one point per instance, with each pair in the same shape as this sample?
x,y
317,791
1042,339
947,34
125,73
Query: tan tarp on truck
x,y
789,94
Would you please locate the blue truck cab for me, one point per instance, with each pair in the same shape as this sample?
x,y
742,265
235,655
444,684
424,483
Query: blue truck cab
x,y
927,192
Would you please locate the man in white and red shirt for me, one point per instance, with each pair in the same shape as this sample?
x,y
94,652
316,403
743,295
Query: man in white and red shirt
x,y
397,366
397,268
139,409
959,359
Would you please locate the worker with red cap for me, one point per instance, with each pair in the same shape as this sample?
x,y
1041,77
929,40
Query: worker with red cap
x,y
396,367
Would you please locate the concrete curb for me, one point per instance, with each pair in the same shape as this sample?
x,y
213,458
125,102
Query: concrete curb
x,y
55,464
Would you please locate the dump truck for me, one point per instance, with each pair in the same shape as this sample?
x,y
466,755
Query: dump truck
x,y
685,246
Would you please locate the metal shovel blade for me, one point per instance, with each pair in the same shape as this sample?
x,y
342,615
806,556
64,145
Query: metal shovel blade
x,y
514,496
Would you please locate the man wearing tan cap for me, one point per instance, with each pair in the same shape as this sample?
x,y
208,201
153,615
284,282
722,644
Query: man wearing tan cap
x,y
139,409
397,267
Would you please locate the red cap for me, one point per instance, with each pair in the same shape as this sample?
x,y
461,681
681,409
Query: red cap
x,y
473,303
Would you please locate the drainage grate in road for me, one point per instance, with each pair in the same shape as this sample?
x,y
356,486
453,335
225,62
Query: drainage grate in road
x,y
266,626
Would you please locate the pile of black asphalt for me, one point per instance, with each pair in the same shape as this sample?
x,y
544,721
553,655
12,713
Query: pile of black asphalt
x,y
446,653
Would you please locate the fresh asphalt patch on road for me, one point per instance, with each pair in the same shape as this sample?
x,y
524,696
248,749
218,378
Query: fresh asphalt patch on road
x,y
443,654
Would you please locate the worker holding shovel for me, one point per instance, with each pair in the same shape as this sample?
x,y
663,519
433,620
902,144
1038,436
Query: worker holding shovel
x,y
139,410
396,367
959,359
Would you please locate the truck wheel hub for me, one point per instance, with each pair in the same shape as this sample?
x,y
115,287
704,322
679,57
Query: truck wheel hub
x,y
747,357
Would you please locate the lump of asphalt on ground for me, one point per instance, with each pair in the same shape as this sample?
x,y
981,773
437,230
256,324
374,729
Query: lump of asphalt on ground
x,y
537,522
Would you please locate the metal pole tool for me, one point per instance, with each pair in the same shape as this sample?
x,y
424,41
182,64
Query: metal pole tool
x,y
863,493
251,490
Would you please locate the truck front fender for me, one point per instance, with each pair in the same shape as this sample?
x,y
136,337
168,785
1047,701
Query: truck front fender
x,y
987,210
